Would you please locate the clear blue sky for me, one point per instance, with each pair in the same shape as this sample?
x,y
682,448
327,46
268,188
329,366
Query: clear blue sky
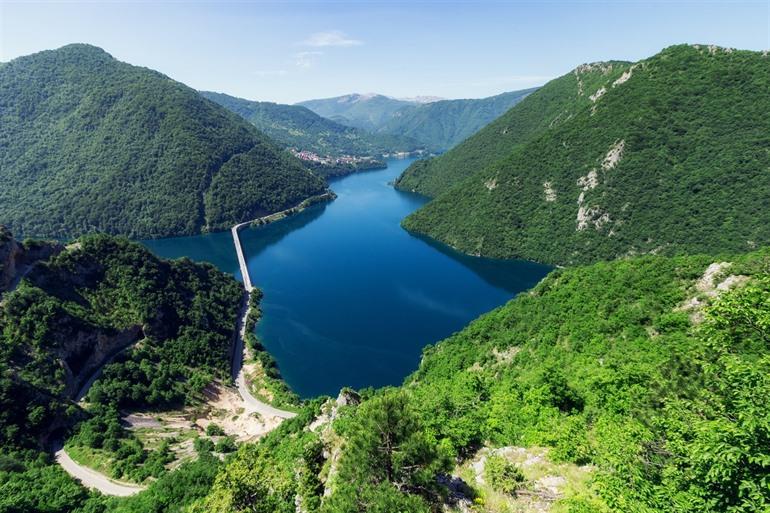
x,y
291,51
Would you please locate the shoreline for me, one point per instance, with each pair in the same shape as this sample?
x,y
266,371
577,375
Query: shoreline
x,y
329,195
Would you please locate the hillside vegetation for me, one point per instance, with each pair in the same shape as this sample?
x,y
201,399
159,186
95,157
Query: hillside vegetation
x,y
93,144
648,375
671,157
437,125
168,324
294,126
552,104
442,124
365,111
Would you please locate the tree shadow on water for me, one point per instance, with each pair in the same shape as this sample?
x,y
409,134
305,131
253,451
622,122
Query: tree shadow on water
x,y
513,276
258,239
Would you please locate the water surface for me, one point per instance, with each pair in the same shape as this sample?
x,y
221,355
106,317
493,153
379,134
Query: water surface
x,y
350,297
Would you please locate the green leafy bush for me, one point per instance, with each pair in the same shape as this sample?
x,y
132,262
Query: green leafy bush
x,y
503,475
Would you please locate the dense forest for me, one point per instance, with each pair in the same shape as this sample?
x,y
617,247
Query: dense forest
x,y
634,380
168,325
294,126
669,157
605,366
443,124
552,104
435,125
93,144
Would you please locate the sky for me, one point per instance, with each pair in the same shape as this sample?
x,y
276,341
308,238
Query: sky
x,y
297,50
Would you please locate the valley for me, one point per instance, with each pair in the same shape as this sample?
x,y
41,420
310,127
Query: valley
x,y
314,266
529,274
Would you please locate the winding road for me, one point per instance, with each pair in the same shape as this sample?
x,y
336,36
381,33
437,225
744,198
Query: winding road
x,y
92,479
95,480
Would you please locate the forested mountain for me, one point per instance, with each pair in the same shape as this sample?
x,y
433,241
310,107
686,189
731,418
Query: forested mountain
x,y
173,321
620,387
440,125
669,155
298,127
554,103
367,111
90,143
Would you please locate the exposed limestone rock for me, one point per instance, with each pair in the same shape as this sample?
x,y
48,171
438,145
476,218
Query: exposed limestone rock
x,y
505,355
624,77
589,181
614,155
331,441
598,94
550,193
707,288
491,184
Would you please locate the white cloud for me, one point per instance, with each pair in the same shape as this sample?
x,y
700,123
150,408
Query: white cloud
x,y
305,59
330,38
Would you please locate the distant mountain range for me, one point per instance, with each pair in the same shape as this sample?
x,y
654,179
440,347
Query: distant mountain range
x,y
667,155
367,111
298,127
89,143
434,123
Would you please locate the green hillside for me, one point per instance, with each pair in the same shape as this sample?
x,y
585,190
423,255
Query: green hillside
x,y
670,157
554,103
442,124
436,125
366,111
173,322
298,127
90,143
646,377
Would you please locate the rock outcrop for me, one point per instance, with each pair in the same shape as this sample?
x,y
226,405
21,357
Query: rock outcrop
x,y
16,258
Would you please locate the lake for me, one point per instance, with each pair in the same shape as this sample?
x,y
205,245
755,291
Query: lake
x,y
350,297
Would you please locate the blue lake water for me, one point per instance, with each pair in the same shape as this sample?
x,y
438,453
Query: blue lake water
x,y
350,297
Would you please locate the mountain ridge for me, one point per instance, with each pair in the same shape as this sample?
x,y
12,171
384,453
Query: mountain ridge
x,y
666,157
298,127
140,154
437,124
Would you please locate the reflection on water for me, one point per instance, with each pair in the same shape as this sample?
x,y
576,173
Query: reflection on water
x,y
258,239
494,271
350,297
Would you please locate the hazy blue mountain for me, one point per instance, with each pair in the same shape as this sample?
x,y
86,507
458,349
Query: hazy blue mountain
x,y
298,127
436,124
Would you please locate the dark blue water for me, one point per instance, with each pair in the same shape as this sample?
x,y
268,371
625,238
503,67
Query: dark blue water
x,y
350,297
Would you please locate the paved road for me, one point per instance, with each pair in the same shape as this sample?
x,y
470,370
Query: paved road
x,y
255,404
93,479
241,259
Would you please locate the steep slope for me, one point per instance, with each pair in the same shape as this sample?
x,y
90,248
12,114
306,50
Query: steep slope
x,y
440,125
366,111
554,103
90,143
437,125
101,294
174,323
648,375
298,127
670,157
